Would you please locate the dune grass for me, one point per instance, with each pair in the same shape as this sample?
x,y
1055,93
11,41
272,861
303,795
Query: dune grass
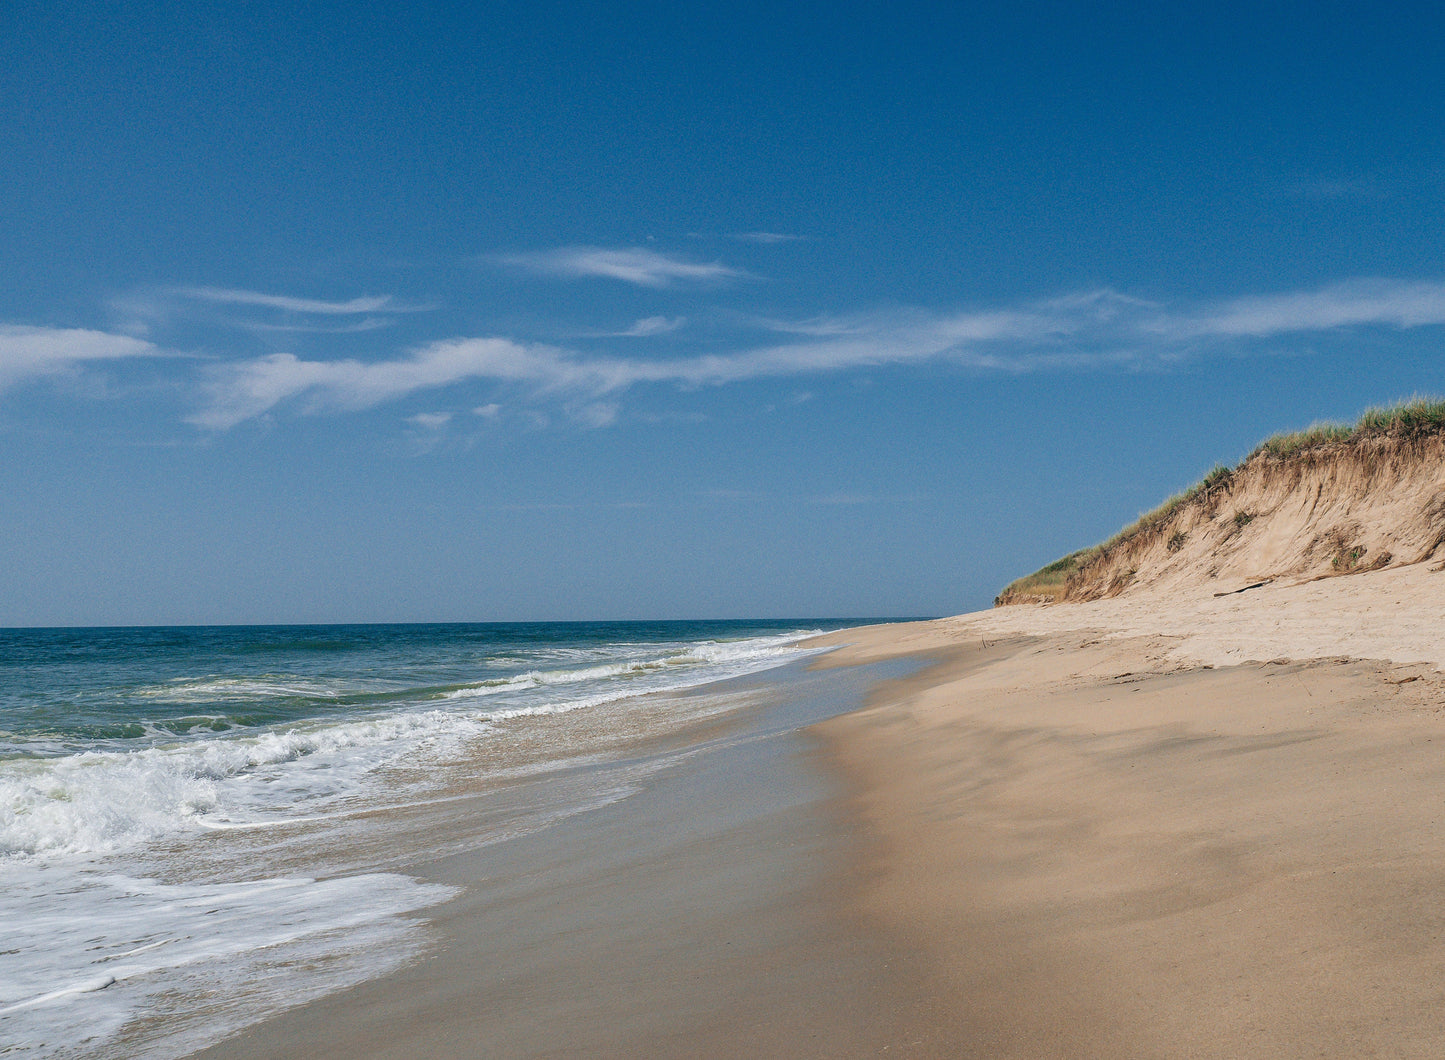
x,y
1416,417
1046,581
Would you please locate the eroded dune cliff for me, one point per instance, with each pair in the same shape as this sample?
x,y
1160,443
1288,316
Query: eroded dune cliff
x,y
1324,503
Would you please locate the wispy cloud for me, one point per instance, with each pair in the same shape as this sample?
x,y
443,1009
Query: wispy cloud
x,y
635,265
653,326
140,311
28,353
1355,303
233,296
594,414
355,328
766,238
240,390
430,421
641,329
1086,329
816,326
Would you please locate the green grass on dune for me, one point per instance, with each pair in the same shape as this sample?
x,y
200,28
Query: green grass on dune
x,y
1416,417
1055,576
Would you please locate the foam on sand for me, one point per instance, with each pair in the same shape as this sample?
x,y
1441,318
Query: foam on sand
x,y
197,960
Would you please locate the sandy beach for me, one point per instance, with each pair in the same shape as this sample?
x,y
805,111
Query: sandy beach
x,y
1154,827
1131,828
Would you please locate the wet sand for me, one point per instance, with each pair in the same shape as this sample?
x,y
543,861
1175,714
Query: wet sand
x,y
709,914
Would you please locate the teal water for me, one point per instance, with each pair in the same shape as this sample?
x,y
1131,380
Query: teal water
x,y
71,690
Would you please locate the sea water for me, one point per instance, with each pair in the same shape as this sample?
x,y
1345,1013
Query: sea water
x,y
200,827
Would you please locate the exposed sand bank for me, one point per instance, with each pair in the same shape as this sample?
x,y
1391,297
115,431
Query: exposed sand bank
x,y
1318,504
1117,837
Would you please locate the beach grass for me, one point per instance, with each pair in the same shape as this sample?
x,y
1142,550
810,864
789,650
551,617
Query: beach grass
x,y
1415,417
1047,580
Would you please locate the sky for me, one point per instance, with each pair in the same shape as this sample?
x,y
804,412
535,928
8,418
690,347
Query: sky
x,y
533,311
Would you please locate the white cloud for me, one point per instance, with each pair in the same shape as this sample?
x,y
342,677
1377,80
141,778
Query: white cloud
x,y
766,238
139,312
28,353
640,329
596,414
817,326
1086,329
356,328
652,326
430,421
1355,303
645,328
635,265
488,411
232,296
241,390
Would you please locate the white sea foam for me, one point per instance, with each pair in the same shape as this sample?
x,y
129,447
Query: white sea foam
x,y
731,659
108,801
545,678
85,952
210,689
114,800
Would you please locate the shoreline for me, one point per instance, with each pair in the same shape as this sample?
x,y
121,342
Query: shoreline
x,y
707,914
1067,831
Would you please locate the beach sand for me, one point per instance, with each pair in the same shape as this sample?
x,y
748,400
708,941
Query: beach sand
x,y
1145,827
1161,828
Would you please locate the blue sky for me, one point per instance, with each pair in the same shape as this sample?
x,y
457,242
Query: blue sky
x,y
540,311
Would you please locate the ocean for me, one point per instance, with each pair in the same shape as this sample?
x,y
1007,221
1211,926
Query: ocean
x,y
202,826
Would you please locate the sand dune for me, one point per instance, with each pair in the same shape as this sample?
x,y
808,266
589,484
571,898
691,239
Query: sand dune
x,y
1336,509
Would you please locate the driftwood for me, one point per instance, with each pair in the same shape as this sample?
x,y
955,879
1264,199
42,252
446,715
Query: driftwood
x,y
1246,589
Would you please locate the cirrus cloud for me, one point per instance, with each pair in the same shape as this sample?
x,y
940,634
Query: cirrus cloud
x,y
765,238
634,265
241,390
28,353
1092,328
351,307
1353,303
